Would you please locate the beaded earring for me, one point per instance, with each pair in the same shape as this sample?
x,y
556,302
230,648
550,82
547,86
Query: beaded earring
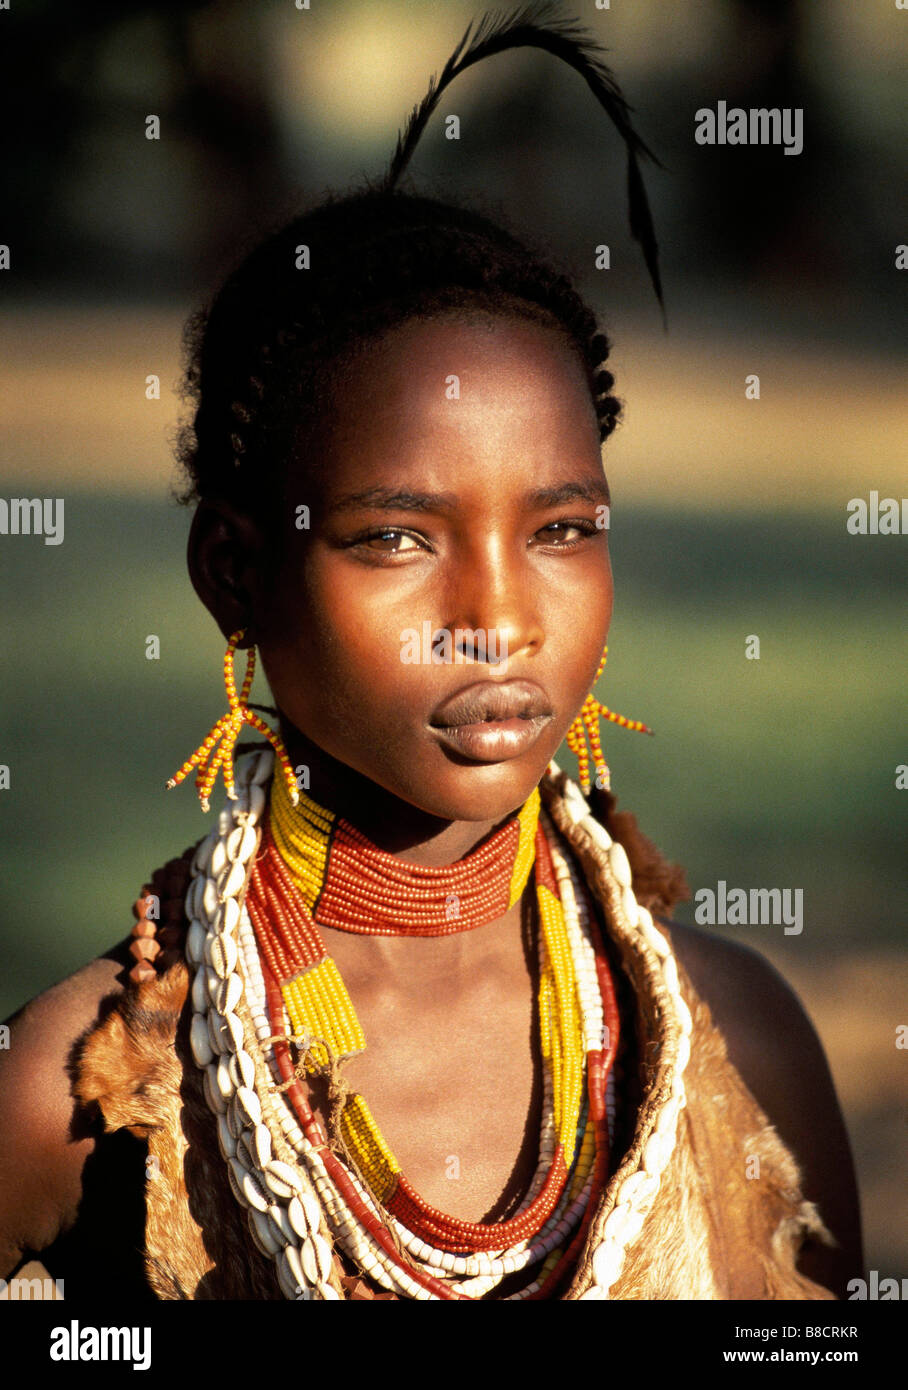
x,y
586,726
227,731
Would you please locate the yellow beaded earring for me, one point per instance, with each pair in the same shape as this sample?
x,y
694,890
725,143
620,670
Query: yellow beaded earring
x,y
586,726
227,731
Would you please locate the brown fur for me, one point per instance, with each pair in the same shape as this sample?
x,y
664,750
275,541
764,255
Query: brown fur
x,y
721,1234
138,1068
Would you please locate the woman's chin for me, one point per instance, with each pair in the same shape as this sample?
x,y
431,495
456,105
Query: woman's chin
x,y
473,791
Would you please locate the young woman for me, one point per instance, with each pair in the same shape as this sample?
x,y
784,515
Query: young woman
x,y
403,1025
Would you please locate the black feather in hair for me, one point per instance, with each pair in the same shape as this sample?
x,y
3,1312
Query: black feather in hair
x,y
543,25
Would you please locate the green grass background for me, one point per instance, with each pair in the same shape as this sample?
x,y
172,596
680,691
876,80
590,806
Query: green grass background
x,y
771,773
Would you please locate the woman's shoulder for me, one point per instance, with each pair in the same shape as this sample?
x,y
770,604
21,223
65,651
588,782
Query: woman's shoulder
x,y
776,1050
43,1143
47,1136
767,1031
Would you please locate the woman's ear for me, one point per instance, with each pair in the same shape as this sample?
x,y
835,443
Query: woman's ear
x,y
226,556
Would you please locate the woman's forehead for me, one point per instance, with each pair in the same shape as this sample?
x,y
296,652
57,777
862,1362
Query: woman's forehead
x,y
471,384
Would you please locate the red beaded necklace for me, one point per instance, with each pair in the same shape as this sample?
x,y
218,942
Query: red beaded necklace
x,y
348,883
293,957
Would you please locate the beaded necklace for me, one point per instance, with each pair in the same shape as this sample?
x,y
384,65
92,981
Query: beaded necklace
x,y
346,882
298,1197
308,870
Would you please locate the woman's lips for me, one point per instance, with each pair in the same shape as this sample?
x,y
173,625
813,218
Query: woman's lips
x,y
492,741
491,721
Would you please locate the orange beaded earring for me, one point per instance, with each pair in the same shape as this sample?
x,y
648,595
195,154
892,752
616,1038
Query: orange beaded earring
x,y
227,731
586,725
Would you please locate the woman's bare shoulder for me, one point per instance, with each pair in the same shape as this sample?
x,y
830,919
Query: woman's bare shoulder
x,y
767,1030
44,1139
46,1136
776,1050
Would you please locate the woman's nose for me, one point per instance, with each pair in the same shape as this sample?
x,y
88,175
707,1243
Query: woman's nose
x,y
496,614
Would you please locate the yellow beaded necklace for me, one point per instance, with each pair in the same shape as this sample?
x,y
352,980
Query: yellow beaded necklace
x,y
296,882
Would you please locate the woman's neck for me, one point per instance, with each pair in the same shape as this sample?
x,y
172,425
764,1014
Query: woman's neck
x,y
393,825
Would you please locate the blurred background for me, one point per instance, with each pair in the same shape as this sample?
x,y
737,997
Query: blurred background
x,y
729,514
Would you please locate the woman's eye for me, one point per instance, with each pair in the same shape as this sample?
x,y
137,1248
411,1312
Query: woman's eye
x,y
389,541
566,533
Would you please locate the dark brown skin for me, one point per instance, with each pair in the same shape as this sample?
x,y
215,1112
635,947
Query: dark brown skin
x,y
452,1068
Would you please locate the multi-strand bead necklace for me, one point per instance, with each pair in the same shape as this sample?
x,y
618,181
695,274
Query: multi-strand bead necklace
x,y
298,1199
314,868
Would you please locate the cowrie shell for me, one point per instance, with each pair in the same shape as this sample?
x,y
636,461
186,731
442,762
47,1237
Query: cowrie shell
x,y
254,1145
195,941
218,859
597,833
198,1040
224,821
249,1105
222,954
313,1212
574,804
244,1152
647,926
194,897
290,1287
309,1261
216,1034
214,985
200,1000
297,1265
210,898
225,1082
240,843
236,1120
256,801
242,1069
227,916
670,974
607,1262
263,1233
245,1186
213,1095
629,903
260,1145
226,993
283,1180
297,1217
280,1189
254,1194
235,1183
203,851
283,1229
620,865
232,1030
323,1256
226,1141
231,880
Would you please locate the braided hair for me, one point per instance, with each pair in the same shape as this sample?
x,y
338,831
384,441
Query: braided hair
x,y
265,360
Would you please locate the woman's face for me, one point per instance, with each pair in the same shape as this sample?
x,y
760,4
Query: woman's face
x,y
438,624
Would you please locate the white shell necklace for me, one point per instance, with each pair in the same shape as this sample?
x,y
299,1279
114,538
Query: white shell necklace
x,y
276,1175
